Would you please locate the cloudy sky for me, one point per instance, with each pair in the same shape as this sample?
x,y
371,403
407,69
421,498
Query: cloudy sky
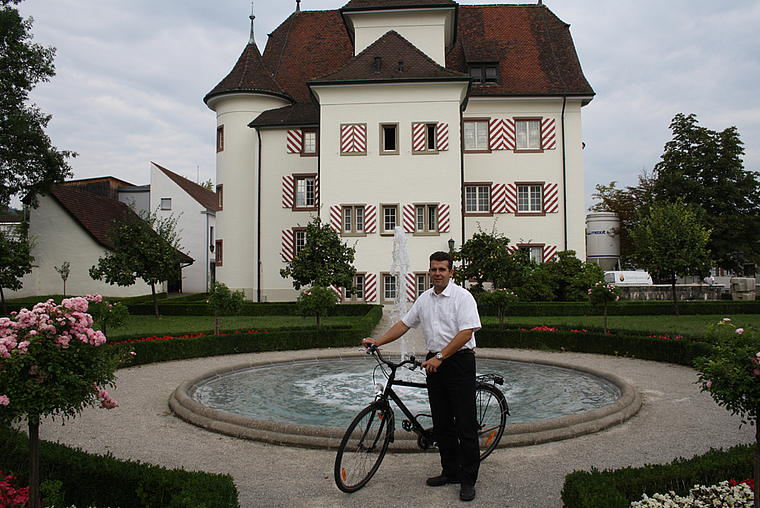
x,y
132,74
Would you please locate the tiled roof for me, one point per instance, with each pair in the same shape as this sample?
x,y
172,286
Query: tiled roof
x,y
248,75
533,47
207,198
399,60
308,44
96,214
395,4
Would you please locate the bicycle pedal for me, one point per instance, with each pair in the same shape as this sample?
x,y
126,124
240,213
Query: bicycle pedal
x,y
406,425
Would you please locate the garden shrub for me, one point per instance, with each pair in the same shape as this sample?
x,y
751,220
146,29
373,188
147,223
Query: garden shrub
x,y
97,480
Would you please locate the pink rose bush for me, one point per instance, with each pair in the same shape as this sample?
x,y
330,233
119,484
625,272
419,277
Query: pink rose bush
x,y
51,361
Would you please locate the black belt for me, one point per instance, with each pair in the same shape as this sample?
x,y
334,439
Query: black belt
x,y
460,352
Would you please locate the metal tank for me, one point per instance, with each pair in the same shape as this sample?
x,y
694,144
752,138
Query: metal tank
x,y
603,240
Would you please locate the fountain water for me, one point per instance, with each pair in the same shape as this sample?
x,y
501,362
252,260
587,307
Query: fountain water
x,y
399,269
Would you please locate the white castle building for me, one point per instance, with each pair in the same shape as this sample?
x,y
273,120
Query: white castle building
x,y
424,114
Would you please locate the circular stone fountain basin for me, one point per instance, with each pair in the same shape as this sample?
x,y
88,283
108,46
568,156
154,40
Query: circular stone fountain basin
x,y
310,401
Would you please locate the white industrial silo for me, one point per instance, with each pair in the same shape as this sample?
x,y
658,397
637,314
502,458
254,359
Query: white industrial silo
x,y
603,240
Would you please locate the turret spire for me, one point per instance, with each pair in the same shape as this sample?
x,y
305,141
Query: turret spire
x,y
298,5
252,16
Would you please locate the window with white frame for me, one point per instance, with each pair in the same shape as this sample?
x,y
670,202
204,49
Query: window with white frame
x,y
530,198
299,239
389,287
535,252
220,196
486,73
528,134
166,203
390,219
305,189
353,220
220,138
309,142
422,283
477,197
476,135
356,294
218,252
426,218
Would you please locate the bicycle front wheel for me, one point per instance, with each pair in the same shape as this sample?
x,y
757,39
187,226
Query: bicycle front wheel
x,y
492,417
363,447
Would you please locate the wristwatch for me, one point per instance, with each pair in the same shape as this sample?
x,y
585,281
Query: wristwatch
x,y
439,356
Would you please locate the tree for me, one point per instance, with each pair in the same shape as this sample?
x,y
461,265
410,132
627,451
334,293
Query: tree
x,y
323,261
704,168
498,300
487,257
52,364
731,374
316,301
570,277
625,203
604,294
15,261
671,241
29,164
64,270
145,247
224,301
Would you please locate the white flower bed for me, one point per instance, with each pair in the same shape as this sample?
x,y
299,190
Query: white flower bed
x,y
721,495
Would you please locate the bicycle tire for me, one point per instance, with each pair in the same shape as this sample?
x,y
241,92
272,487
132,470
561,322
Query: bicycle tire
x,y
363,447
492,411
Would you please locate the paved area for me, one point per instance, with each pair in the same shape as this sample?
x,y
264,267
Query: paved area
x,y
675,420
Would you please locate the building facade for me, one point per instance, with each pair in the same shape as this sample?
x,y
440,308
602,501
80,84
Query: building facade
x,y
423,114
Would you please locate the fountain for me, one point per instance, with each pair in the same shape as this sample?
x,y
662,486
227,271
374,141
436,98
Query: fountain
x,y
399,268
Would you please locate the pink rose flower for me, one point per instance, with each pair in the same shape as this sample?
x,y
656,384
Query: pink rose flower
x,y
740,330
4,400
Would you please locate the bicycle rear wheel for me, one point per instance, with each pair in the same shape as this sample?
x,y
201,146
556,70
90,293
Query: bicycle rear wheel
x,y
492,417
363,447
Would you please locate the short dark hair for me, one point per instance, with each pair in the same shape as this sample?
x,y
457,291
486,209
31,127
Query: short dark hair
x,y
442,256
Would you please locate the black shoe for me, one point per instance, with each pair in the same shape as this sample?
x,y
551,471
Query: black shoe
x,y
467,493
440,481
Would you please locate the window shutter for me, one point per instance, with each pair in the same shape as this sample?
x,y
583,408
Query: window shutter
x,y
499,198
370,287
353,138
411,290
548,134
408,218
288,183
295,141
444,219
336,218
551,198
498,130
443,137
370,219
316,191
511,198
549,252
288,245
418,137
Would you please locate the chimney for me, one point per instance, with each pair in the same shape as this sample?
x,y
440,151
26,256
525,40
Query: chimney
x,y
298,5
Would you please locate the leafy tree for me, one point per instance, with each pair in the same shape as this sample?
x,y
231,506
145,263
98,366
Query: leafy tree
x,y
145,247
52,364
672,241
316,301
29,163
106,314
705,168
604,294
64,270
499,300
625,203
731,374
487,257
15,260
323,261
570,277
224,302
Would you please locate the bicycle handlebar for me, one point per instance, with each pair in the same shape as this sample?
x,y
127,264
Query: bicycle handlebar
x,y
374,350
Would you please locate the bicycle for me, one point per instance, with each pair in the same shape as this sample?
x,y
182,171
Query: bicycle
x,y
367,438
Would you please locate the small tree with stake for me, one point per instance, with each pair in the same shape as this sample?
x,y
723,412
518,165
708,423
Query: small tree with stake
x,y
224,301
604,294
731,374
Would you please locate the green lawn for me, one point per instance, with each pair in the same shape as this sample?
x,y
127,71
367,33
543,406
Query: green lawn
x,y
688,326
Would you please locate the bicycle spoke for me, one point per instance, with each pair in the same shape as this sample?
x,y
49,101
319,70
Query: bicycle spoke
x,y
362,449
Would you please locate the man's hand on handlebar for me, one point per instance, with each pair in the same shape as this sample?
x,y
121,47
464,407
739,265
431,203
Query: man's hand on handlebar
x,y
367,342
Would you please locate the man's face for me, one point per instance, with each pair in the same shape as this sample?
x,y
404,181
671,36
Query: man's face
x,y
440,273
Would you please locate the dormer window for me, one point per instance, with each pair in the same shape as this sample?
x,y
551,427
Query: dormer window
x,y
484,74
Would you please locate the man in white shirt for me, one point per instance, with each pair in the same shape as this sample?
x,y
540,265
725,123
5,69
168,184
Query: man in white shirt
x,y
449,318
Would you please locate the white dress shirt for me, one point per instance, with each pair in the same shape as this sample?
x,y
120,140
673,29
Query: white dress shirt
x,y
444,315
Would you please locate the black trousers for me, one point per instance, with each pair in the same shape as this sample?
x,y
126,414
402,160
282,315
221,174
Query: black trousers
x,y
451,391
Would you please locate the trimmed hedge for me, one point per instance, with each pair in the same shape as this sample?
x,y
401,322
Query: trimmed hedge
x,y
201,308
629,308
618,488
96,480
680,352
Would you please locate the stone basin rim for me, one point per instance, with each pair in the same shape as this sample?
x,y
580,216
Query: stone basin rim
x,y
523,434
